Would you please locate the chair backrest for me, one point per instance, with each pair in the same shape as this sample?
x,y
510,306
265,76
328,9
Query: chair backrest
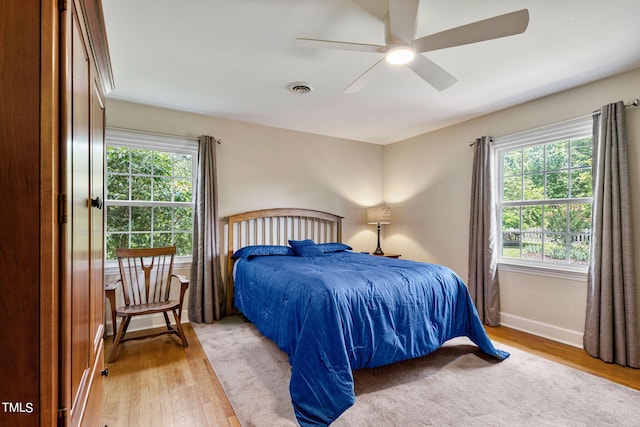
x,y
145,274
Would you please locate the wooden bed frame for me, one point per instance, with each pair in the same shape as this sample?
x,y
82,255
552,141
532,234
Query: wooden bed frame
x,y
276,227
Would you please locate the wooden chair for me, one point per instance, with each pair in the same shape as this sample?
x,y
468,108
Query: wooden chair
x,y
146,276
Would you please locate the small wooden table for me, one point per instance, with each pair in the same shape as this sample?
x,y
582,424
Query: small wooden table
x,y
389,255
110,293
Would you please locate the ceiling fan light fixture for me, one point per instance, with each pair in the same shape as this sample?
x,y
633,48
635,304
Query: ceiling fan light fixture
x,y
399,55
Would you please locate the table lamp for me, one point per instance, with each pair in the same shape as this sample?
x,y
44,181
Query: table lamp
x,y
379,215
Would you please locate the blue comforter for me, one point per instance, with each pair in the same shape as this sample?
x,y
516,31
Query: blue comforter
x,y
343,311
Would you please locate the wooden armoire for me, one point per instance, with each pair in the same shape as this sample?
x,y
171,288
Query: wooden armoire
x,y
54,73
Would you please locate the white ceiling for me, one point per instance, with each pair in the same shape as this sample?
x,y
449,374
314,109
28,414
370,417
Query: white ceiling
x,y
234,59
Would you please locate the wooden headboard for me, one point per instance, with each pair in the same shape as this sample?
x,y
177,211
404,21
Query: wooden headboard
x,y
276,227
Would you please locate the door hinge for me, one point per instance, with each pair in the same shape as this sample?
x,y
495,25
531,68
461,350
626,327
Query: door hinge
x,y
62,208
63,415
62,5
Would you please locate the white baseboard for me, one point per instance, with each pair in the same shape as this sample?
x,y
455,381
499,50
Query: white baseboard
x,y
142,323
552,332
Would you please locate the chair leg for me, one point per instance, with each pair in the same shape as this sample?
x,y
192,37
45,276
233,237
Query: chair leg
x,y
124,323
114,326
180,330
126,326
166,320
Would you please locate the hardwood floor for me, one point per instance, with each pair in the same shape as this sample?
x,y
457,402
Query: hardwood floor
x,y
565,354
156,382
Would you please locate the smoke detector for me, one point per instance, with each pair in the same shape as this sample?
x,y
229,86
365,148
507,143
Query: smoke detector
x,y
299,88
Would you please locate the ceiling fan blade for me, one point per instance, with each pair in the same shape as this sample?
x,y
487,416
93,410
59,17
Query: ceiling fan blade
x,y
336,45
431,72
505,25
402,21
366,77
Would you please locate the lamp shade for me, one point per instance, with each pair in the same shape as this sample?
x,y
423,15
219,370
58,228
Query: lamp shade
x,y
379,215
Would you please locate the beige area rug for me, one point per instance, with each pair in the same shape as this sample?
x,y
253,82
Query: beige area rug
x,y
454,386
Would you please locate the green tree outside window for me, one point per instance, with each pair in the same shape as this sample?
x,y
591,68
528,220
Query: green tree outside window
x,y
546,192
149,199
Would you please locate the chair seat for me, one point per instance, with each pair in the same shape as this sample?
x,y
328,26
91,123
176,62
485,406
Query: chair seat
x,y
140,309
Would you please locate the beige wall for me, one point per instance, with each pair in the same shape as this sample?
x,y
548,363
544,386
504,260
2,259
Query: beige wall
x,y
426,181
263,167
427,184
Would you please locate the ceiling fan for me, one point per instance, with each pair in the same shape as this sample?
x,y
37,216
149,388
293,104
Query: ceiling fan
x,y
402,48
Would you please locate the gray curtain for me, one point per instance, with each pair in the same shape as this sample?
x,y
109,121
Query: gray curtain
x,y
483,270
206,290
611,328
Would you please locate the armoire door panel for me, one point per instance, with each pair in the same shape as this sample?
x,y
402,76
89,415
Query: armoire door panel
x,y
81,260
80,210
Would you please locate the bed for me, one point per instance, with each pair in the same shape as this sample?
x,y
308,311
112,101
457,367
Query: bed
x,y
333,310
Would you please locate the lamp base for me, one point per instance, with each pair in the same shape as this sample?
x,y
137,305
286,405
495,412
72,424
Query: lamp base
x,y
378,250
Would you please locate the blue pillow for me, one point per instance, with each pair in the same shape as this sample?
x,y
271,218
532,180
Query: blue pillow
x,y
306,247
262,250
334,247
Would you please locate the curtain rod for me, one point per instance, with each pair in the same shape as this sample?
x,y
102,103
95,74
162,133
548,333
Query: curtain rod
x,y
144,132
634,103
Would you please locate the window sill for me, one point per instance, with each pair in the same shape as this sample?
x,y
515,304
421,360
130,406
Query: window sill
x,y
568,272
180,263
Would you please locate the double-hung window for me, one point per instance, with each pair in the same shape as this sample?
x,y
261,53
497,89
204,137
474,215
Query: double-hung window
x,y
544,195
150,191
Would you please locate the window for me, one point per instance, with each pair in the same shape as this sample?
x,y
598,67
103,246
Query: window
x,y
150,191
544,195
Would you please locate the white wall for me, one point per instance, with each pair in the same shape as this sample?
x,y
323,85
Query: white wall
x,y
263,167
427,183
